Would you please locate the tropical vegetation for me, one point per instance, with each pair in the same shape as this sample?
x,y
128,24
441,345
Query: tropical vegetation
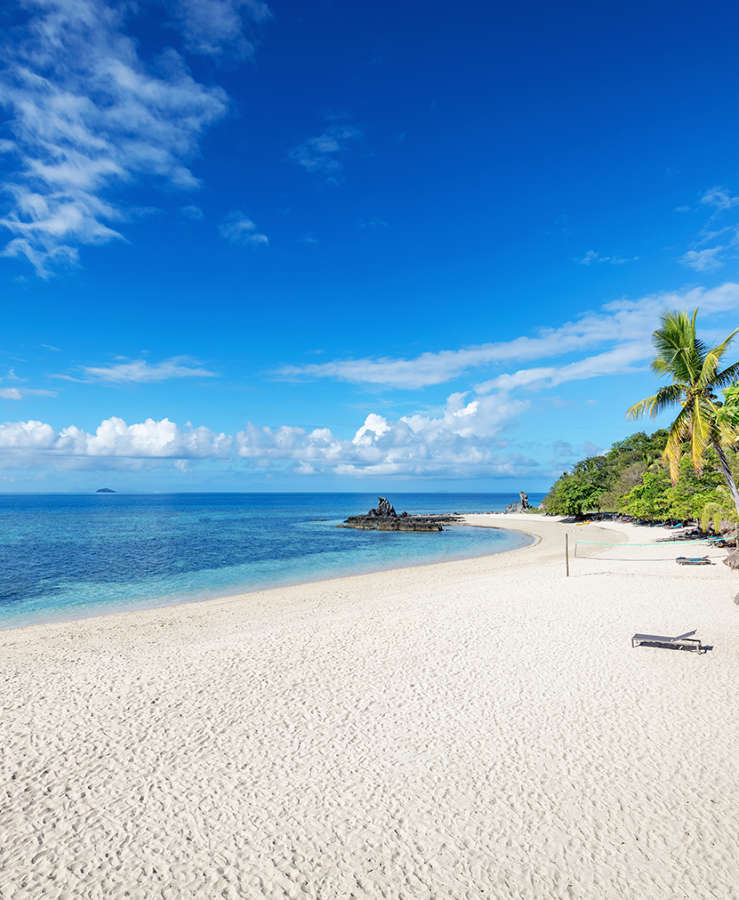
x,y
633,478
685,472
696,375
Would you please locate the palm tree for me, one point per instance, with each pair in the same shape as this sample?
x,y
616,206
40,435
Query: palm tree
x,y
696,377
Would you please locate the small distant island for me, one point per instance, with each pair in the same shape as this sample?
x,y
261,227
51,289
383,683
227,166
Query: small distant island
x,y
384,518
105,491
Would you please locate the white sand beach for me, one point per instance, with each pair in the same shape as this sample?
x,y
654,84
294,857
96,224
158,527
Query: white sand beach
x,y
480,728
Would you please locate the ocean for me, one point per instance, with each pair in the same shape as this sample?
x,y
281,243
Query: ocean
x,y
71,556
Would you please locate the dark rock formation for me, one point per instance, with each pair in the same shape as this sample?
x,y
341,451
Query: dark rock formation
x,y
383,510
732,560
384,518
522,505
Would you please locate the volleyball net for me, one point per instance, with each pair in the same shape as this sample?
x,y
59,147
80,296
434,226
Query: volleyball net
x,y
648,552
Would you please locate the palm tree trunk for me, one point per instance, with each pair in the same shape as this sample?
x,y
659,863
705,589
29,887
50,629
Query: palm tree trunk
x,y
727,473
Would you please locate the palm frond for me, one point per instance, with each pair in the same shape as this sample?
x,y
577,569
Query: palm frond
x,y
727,376
678,350
677,435
698,344
712,360
665,397
701,434
641,408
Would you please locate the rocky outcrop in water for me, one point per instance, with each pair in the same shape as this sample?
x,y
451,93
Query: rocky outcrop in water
x,y
521,506
384,518
383,510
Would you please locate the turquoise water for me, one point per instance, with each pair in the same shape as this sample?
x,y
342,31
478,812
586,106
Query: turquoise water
x,y
65,557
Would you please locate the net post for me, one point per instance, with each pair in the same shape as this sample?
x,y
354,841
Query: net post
x,y
567,554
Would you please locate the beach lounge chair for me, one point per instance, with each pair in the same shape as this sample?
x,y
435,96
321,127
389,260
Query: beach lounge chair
x,y
680,642
693,561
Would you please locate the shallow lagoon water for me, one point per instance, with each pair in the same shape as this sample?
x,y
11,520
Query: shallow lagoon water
x,y
70,556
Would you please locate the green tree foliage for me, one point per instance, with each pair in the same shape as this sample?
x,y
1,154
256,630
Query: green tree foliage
x,y
657,498
634,479
696,375
598,482
719,512
649,498
728,414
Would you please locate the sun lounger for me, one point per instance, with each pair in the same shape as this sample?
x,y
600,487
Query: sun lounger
x,y
693,561
680,642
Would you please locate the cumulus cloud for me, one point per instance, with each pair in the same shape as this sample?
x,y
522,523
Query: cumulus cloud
x,y
620,322
321,154
87,114
240,229
140,371
454,442
114,438
458,440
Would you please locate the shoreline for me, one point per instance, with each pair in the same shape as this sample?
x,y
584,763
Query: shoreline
x,y
479,727
187,600
542,532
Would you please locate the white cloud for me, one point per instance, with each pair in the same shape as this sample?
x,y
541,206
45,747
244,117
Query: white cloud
x,y
459,440
720,198
16,393
622,359
114,438
191,211
31,435
321,154
593,256
20,393
163,439
239,229
141,371
212,27
87,113
624,321
703,260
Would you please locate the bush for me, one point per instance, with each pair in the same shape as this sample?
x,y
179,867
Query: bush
x,y
632,478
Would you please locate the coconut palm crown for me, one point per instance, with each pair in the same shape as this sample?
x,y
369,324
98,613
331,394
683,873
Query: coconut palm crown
x,y
696,375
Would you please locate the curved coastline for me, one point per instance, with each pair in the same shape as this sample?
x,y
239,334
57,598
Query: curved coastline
x,y
70,616
546,535
460,712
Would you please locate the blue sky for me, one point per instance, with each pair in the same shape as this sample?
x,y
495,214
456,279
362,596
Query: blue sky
x,y
350,246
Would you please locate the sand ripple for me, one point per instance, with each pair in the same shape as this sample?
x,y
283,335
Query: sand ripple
x,y
459,731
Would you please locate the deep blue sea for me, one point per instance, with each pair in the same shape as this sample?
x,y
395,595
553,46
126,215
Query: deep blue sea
x,y
70,556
